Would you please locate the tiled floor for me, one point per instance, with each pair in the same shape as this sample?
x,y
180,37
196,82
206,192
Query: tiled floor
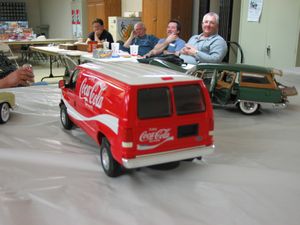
x,y
41,70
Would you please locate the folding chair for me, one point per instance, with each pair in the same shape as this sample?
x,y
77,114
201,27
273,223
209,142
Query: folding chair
x,y
5,49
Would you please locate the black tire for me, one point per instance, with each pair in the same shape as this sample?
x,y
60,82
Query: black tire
x,y
4,112
110,166
64,118
248,108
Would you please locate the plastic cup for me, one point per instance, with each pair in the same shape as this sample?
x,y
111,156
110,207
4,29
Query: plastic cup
x,y
28,68
105,45
115,49
134,49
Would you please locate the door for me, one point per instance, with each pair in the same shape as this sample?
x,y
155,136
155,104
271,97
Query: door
x,y
95,9
150,15
102,9
273,40
224,87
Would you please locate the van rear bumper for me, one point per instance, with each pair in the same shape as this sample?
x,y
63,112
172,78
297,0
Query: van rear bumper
x,y
165,157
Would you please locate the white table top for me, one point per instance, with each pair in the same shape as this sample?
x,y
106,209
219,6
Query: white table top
x,y
55,50
89,57
37,41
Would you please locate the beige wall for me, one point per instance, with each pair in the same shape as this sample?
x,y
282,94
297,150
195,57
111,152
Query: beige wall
x,y
34,17
57,14
298,52
271,42
131,6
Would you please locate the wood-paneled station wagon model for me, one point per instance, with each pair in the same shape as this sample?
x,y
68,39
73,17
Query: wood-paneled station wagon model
x,y
246,86
140,114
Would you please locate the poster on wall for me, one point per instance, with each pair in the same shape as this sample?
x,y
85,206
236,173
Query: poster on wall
x,y
254,10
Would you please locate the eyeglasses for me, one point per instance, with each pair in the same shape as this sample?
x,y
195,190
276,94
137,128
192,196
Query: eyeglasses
x,y
209,22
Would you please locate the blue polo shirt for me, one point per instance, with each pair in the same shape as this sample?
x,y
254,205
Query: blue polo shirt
x,y
145,43
174,46
210,50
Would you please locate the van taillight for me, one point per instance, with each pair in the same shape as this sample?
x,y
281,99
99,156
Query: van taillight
x,y
211,126
127,138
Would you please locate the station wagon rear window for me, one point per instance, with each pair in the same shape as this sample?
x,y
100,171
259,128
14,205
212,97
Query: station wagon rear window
x,y
188,99
154,103
254,78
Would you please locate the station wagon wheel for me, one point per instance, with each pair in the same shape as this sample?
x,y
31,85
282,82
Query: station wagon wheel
x,y
110,166
64,118
248,108
4,112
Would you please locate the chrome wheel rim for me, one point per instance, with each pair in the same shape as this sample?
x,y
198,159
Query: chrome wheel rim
x,y
5,112
248,107
105,158
63,117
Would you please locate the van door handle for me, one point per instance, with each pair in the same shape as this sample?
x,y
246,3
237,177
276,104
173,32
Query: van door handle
x,y
269,50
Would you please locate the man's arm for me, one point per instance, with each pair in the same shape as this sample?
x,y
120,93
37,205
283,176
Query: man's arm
x,y
217,52
129,40
162,45
89,38
21,77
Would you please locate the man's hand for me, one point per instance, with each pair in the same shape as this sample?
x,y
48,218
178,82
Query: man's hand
x,y
22,76
188,50
171,38
132,34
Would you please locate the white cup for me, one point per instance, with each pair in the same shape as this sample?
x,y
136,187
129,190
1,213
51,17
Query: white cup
x,y
134,49
105,44
115,49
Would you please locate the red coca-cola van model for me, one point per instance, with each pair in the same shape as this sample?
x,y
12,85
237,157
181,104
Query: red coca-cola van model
x,y
140,114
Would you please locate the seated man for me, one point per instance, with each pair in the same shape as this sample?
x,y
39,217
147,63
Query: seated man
x,y
139,37
208,47
10,76
99,34
170,45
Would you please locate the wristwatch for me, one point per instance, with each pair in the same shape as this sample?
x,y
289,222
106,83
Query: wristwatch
x,y
196,52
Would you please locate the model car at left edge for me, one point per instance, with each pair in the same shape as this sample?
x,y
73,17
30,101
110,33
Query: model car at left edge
x,y
7,102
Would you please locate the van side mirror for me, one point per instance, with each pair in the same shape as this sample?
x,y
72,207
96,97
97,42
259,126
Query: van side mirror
x,y
61,83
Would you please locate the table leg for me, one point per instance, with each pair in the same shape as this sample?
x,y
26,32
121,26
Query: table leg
x,y
51,74
51,69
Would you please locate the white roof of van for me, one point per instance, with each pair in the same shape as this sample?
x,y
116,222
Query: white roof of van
x,y
134,73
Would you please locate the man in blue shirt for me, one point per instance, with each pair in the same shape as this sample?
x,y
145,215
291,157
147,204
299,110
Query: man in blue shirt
x,y
208,47
139,37
172,44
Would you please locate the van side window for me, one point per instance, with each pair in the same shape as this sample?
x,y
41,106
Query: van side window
x,y
73,79
188,99
154,103
255,78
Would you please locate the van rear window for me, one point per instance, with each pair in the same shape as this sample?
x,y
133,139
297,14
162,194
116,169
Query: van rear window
x,y
154,102
188,99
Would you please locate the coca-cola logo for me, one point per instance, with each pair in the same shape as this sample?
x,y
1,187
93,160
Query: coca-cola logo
x,y
92,94
155,135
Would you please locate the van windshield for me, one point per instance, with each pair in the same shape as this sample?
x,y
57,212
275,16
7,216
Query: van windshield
x,y
188,99
154,102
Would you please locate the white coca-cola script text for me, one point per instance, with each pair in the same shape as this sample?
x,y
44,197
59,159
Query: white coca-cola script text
x,y
155,135
92,94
